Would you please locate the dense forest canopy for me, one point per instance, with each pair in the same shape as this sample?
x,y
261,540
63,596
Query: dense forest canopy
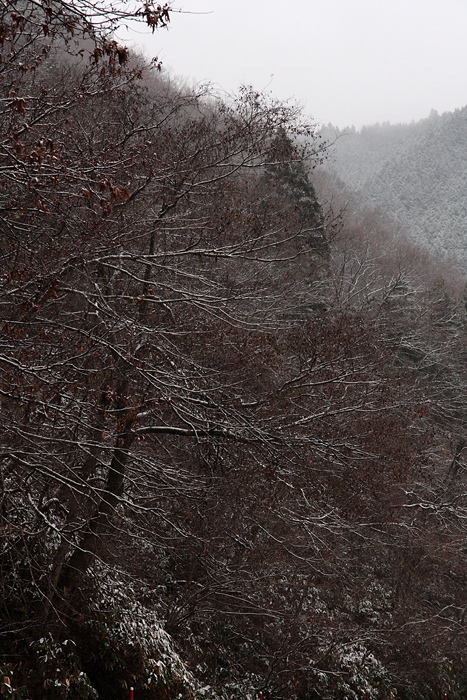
x,y
415,173
232,452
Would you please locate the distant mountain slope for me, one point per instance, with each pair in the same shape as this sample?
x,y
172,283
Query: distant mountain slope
x,y
417,173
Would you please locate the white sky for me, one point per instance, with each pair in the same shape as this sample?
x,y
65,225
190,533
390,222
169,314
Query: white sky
x,y
346,61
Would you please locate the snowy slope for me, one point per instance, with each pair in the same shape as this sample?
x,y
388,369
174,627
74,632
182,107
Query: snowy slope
x,y
417,173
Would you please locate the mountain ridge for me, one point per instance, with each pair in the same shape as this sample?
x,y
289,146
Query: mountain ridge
x,y
416,173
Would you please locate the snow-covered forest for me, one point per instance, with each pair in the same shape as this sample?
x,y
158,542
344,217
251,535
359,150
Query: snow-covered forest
x,y
233,398
416,173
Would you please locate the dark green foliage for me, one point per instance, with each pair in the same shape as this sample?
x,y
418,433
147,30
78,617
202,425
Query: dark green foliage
x,y
292,176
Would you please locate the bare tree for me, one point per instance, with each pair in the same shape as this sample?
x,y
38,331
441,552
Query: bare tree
x,y
200,388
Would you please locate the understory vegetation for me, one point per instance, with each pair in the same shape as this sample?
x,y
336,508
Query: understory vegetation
x,y
233,449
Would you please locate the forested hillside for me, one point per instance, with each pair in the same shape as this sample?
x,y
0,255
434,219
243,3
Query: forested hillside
x,y
232,446
416,173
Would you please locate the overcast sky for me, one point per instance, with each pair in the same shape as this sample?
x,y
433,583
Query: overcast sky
x,y
348,62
